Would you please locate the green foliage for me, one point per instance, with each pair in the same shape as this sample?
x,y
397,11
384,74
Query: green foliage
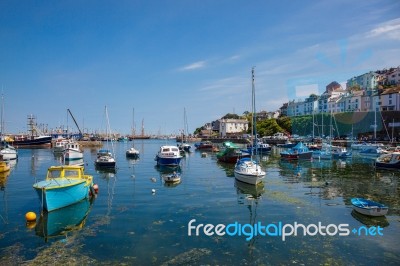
x,y
231,116
268,127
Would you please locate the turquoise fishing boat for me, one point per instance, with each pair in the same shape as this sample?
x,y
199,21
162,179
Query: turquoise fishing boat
x,y
64,185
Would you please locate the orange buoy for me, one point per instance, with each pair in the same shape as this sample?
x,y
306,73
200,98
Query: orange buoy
x,y
30,216
96,188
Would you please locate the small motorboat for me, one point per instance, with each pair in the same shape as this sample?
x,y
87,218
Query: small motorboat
x,y
369,207
168,156
64,185
388,161
172,177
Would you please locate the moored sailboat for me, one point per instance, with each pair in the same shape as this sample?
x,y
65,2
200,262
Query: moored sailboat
x,y
248,170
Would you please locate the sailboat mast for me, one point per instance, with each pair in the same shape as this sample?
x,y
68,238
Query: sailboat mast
x,y
253,112
2,110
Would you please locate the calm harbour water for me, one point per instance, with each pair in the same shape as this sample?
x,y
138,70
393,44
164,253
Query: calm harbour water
x,y
129,224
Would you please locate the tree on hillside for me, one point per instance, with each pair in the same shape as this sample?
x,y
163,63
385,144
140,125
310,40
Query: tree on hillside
x,y
230,116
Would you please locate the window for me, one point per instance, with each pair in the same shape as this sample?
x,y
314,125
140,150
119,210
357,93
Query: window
x,y
390,101
390,95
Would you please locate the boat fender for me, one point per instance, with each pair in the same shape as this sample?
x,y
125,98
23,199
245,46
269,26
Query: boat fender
x,y
96,188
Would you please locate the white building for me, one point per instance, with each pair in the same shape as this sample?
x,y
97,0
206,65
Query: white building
x,y
232,126
389,100
393,76
367,81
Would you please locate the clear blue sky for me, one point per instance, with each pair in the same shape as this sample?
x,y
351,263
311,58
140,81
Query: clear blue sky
x,y
160,57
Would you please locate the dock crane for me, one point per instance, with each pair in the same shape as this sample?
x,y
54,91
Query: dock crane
x,y
76,124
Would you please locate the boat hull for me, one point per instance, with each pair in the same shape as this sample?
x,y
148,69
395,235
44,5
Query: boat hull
x,y
388,165
33,142
168,161
9,153
71,155
61,192
104,164
171,178
368,207
248,171
249,179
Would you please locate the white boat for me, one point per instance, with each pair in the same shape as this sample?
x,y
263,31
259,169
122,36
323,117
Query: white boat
x,y
372,152
322,155
340,152
248,170
59,145
132,152
168,156
73,151
388,161
172,177
105,158
8,152
369,207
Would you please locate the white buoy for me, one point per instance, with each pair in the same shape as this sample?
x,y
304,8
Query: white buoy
x,y
153,191
153,179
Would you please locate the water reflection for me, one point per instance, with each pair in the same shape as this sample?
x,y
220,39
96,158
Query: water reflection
x,y
227,167
370,220
108,175
62,221
3,179
249,196
4,205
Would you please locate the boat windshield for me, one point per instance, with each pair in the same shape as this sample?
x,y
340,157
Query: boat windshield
x,y
54,174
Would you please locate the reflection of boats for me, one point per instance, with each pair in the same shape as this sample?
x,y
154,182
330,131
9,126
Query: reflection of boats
x,y
249,196
63,186
3,179
298,152
370,220
388,161
168,156
64,220
369,207
231,153
171,178
250,191
4,165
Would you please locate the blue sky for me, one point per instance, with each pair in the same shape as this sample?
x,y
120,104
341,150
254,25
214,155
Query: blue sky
x,y
161,57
